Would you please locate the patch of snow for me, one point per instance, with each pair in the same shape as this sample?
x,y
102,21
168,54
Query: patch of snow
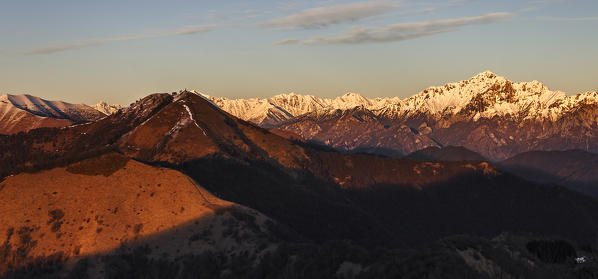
x,y
192,119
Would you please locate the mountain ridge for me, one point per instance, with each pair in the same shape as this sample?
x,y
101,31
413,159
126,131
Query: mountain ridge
x,y
21,113
484,95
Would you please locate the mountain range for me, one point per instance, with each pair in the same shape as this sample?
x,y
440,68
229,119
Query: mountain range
x,y
485,95
487,114
177,186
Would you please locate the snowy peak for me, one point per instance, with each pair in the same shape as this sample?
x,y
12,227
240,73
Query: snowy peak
x,y
107,109
485,75
350,100
487,95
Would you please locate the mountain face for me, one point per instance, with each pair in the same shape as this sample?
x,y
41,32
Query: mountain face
x,y
19,113
107,109
487,114
327,207
574,168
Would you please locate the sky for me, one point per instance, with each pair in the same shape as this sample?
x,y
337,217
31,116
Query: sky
x,y
84,51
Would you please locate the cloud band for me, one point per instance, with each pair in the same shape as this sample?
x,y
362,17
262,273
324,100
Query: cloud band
x,y
77,45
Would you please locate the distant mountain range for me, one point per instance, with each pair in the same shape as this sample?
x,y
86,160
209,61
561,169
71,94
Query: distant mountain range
x,y
20,113
485,95
487,114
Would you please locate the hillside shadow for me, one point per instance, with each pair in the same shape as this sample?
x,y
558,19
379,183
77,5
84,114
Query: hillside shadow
x,y
399,215
189,254
544,177
200,248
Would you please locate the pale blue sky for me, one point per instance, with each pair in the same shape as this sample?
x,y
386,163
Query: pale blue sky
x,y
120,50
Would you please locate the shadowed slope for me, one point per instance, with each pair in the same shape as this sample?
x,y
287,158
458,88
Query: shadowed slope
x,y
447,153
573,168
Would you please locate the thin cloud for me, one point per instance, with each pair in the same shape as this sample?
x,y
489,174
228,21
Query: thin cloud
x,y
324,16
549,18
399,32
77,45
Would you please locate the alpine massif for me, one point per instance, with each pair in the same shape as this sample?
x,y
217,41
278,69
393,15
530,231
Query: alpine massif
x,y
487,114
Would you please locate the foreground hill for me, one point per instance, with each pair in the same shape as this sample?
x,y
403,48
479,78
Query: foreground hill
x,y
19,113
109,205
487,114
574,168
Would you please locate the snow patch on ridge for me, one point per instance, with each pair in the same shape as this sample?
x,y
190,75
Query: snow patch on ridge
x,y
193,119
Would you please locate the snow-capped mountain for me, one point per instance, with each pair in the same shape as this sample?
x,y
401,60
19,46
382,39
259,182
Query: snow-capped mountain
x,y
483,96
487,95
107,109
277,109
487,113
25,112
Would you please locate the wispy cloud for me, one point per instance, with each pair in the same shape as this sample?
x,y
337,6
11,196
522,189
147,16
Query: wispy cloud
x,y
324,16
399,32
190,30
549,18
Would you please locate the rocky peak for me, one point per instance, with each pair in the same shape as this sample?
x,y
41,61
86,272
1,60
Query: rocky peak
x,y
350,100
107,109
486,75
